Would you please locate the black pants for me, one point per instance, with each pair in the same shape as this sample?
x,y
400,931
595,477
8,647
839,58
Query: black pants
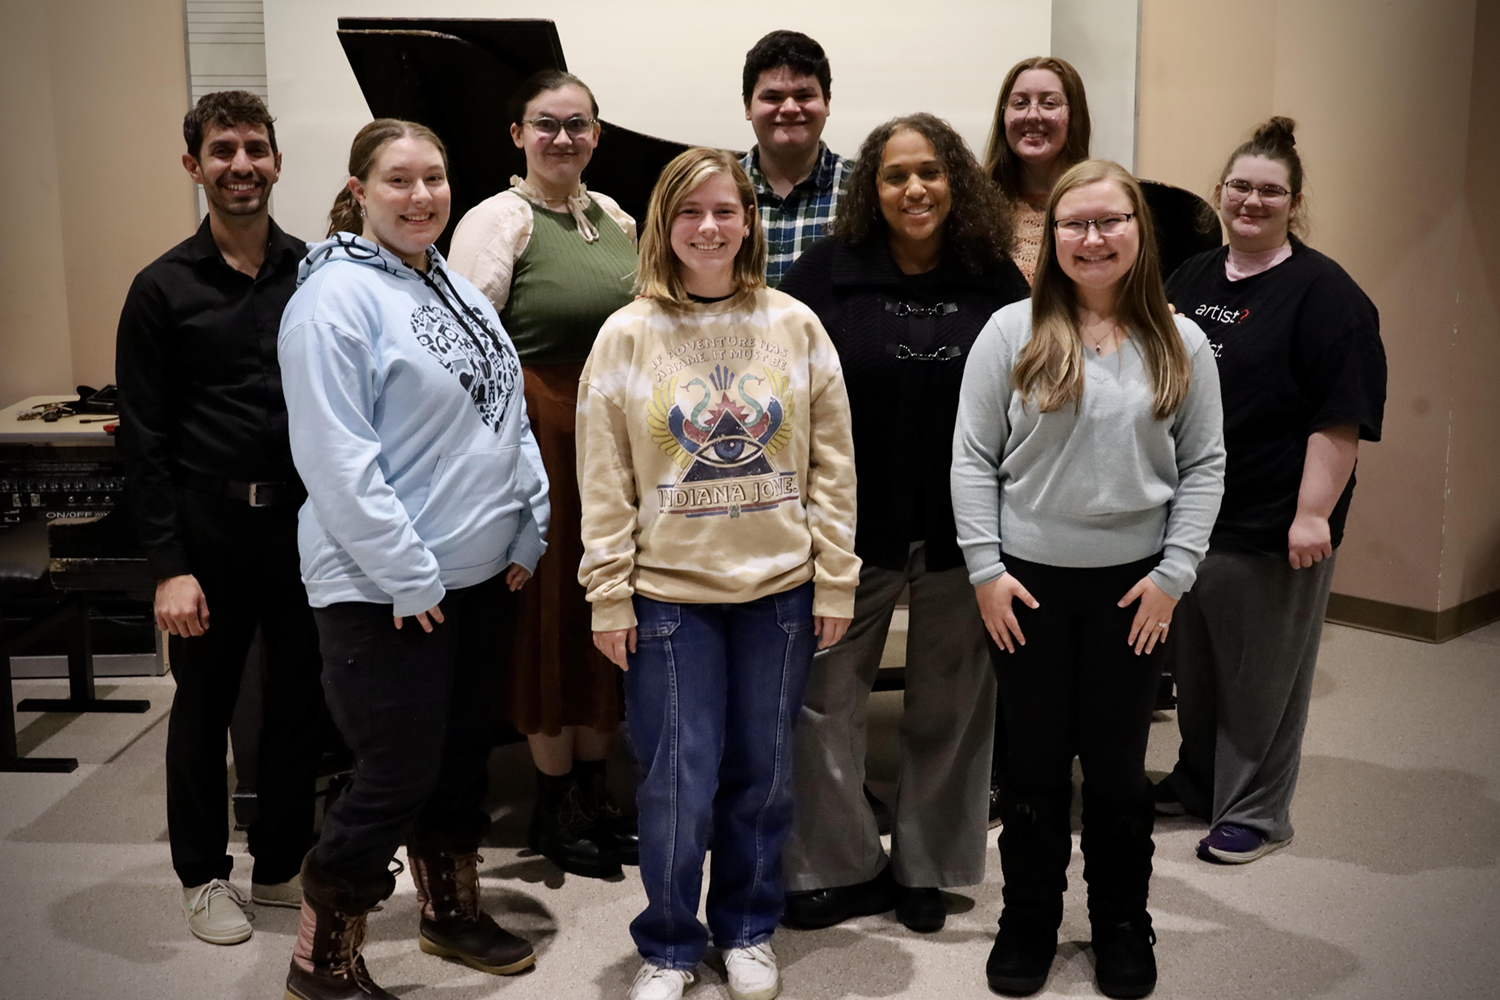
x,y
419,710
245,559
1077,689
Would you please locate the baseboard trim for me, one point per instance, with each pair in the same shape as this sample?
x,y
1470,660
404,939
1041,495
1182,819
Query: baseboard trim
x,y
1414,623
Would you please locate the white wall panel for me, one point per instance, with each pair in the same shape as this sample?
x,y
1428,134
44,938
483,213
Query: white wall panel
x,y
1101,38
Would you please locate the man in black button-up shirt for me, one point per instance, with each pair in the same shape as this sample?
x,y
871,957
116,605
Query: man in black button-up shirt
x,y
211,484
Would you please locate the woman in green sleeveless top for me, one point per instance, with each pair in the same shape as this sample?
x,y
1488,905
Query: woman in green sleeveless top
x,y
556,260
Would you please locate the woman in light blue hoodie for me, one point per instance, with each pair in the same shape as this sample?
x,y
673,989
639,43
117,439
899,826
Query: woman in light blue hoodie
x,y
409,427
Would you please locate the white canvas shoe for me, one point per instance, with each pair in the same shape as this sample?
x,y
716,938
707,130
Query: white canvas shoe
x,y
752,972
288,893
655,983
213,912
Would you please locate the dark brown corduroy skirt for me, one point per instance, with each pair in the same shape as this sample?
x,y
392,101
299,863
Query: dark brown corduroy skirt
x,y
558,678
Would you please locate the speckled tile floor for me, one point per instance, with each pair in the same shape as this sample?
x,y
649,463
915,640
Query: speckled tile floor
x,y
1391,888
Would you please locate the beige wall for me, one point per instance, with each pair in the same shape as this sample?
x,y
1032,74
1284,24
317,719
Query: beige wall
x,y
1394,150
93,93
1471,549
34,353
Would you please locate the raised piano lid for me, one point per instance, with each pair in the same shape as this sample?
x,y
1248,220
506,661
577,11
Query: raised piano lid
x,y
456,76
1185,224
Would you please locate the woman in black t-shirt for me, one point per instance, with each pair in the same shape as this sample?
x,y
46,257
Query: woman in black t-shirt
x,y
918,263
1303,377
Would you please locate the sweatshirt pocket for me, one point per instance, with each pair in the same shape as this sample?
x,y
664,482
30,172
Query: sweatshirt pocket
x,y
474,508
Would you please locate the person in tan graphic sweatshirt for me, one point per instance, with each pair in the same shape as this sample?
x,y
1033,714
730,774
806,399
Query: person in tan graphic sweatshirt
x,y
716,468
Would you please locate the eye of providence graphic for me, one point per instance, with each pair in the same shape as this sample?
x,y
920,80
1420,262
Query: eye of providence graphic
x,y
724,444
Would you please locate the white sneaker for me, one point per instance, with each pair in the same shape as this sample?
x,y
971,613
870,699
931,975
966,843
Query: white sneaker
x,y
288,893
752,972
655,983
213,912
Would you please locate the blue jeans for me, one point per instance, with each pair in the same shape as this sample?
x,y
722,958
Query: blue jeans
x,y
711,696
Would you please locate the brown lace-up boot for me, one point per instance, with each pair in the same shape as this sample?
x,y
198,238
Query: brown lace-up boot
x,y
454,924
326,959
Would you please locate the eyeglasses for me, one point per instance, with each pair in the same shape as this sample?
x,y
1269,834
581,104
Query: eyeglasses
x,y
1269,193
577,127
1077,229
1049,106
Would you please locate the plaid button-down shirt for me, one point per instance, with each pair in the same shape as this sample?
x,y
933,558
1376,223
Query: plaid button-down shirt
x,y
799,220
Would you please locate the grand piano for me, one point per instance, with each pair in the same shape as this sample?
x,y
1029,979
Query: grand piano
x,y
456,76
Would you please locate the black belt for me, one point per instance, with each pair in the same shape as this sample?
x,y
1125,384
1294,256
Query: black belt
x,y
256,494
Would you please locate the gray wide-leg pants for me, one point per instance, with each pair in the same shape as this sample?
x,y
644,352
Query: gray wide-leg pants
x,y
941,813
1244,644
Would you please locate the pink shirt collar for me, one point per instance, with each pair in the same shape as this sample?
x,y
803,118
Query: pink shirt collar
x,y
1238,266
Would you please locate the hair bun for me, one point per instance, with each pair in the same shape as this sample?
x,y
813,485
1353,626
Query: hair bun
x,y
1278,132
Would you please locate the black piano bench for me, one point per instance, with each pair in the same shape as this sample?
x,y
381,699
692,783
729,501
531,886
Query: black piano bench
x,y
23,576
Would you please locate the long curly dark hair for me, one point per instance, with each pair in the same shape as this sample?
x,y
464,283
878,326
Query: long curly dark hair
x,y
979,231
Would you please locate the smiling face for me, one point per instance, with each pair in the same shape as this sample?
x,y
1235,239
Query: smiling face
x,y
1036,116
787,109
406,199
236,168
913,189
557,161
707,232
1255,223
1097,262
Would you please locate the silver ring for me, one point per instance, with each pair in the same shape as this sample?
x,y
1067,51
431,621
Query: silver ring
x,y
1161,624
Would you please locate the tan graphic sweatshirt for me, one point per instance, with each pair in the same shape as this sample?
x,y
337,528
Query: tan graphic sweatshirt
x,y
714,458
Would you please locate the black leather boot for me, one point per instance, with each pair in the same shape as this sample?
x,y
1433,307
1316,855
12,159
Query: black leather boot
x,y
1124,962
616,829
1117,850
811,909
326,959
454,924
563,830
1034,850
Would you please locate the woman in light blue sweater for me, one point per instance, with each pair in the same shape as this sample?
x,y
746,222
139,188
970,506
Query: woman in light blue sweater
x,y
427,506
1088,464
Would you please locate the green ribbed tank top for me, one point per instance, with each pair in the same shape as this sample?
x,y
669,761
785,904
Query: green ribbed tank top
x,y
563,289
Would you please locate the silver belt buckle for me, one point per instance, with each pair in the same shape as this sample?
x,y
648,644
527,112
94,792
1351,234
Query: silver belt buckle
x,y
255,494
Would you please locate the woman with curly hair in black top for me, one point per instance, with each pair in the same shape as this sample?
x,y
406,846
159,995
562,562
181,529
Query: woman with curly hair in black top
x,y
918,262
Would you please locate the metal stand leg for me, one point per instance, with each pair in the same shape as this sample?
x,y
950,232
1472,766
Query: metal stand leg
x,y
10,759
81,696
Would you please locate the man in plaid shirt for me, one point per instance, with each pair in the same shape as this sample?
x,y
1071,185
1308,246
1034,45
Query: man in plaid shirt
x,y
797,178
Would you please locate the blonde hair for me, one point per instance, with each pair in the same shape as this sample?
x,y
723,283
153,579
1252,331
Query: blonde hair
x,y
657,275
1049,370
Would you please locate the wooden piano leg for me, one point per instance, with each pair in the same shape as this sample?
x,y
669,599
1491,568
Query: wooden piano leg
x,y
81,696
10,759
